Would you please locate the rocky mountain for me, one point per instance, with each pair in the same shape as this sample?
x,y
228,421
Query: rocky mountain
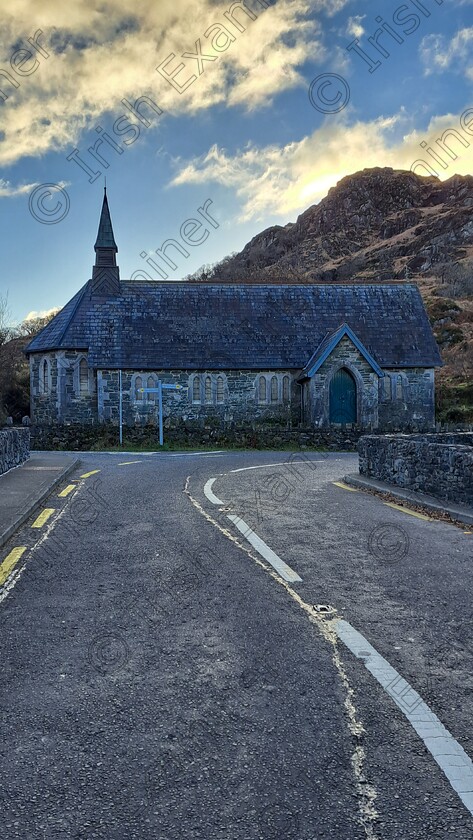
x,y
378,224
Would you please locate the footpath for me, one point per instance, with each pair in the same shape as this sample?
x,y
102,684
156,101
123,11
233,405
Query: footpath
x,y
24,488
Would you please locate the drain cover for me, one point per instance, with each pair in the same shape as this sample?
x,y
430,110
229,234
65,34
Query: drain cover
x,y
324,609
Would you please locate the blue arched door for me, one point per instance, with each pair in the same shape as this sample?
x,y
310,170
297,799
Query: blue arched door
x,y
343,397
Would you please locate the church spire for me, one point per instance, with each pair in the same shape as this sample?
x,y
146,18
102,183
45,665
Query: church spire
x,y
105,238
105,273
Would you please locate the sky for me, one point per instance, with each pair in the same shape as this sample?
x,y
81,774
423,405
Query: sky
x,y
249,113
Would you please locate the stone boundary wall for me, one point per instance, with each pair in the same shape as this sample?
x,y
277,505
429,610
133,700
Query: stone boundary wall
x,y
14,448
438,465
88,436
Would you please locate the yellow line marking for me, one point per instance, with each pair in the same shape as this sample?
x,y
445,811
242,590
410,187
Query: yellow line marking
x,y
87,475
10,562
344,486
43,517
124,463
67,490
410,512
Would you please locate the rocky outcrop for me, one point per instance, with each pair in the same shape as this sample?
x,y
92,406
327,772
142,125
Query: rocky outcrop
x,y
374,225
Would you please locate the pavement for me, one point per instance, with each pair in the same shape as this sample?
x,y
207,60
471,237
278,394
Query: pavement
x,y
23,489
459,513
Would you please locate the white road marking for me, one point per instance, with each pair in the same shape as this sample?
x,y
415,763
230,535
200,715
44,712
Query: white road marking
x,y
279,464
208,492
447,752
269,555
266,552
188,454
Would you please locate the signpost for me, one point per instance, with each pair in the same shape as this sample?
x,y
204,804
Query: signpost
x,y
159,392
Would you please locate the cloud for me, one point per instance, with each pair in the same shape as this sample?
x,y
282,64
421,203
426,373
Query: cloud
x,y
44,313
438,54
354,28
281,180
7,190
98,54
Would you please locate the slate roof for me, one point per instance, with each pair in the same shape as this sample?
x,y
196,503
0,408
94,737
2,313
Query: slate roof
x,y
169,325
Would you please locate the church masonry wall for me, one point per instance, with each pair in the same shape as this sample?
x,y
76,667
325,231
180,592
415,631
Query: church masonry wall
x,y
402,399
240,401
408,402
317,388
55,394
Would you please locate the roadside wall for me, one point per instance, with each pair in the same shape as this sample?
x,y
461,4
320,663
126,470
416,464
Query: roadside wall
x,y
14,448
436,464
86,437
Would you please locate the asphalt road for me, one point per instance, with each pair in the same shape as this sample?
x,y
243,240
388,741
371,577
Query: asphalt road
x,y
160,680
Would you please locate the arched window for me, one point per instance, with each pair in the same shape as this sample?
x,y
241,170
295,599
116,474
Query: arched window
x,y
274,389
220,389
138,385
262,389
83,377
399,393
44,377
285,389
208,389
385,388
196,389
151,384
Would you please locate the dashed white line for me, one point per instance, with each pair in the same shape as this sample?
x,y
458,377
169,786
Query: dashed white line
x,y
285,571
287,574
447,752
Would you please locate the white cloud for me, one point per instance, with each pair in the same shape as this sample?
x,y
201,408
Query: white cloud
x,y
281,180
44,313
102,53
438,54
7,190
354,26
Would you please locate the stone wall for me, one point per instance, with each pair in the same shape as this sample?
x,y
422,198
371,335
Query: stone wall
x,y
61,394
14,448
401,399
407,400
241,401
439,465
317,388
86,437
56,392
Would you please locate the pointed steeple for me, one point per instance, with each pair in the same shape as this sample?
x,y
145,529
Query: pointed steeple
x,y
105,237
105,273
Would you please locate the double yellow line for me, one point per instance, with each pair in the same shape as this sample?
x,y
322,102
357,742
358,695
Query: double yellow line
x,y
16,554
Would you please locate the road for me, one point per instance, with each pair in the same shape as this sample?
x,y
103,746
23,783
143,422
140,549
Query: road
x,y
160,679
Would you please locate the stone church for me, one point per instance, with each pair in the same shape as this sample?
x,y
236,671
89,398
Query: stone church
x,y
320,355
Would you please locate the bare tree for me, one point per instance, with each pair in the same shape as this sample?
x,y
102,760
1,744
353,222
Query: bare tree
x,y
5,314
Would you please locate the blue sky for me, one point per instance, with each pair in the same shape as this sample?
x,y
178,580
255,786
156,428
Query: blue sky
x,y
237,127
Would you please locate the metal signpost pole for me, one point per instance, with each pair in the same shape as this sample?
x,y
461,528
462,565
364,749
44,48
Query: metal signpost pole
x,y
160,401
159,392
120,407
